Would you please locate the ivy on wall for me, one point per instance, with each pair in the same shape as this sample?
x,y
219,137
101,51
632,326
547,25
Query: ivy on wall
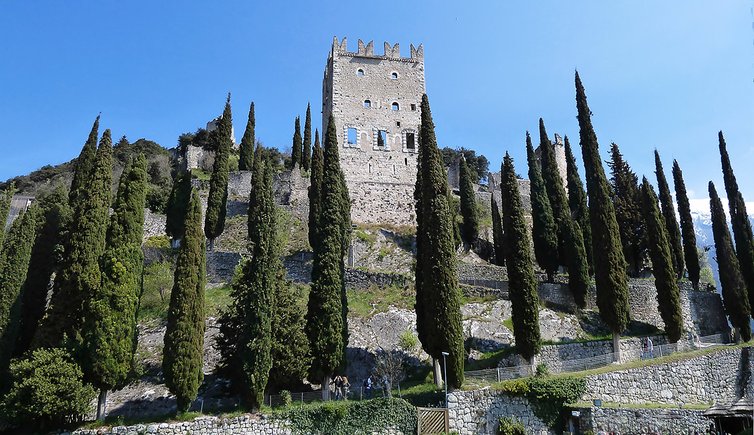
x,y
547,396
370,416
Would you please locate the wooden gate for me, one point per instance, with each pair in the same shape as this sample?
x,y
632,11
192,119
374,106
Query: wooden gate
x,y
433,421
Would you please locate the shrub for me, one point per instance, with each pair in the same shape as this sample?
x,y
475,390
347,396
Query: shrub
x,y
547,396
510,426
408,341
344,417
285,397
542,370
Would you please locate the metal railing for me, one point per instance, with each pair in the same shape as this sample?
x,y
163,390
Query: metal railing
x,y
300,398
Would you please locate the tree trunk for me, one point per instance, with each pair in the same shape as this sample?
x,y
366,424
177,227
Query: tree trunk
x,y
437,372
533,365
616,347
101,405
326,388
211,245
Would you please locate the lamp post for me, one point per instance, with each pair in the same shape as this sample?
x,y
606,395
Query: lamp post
x,y
445,376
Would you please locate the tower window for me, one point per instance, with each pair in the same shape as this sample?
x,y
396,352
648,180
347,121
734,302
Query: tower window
x,y
395,106
381,138
413,107
397,123
410,144
367,104
360,72
394,75
351,136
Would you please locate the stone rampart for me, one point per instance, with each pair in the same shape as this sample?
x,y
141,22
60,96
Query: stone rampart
x,y
644,420
479,411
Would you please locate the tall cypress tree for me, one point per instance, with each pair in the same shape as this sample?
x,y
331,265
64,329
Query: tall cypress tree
x,y
609,265
523,283
5,199
570,238
627,201
687,226
84,165
470,226
577,202
178,201
110,335
306,156
498,235
79,275
14,264
214,223
324,318
668,295
742,231
668,213
246,149
731,280
297,145
184,336
544,231
438,305
315,189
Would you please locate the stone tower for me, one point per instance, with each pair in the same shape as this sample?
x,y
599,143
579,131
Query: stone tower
x,y
375,100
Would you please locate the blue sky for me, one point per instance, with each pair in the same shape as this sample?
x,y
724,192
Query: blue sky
x,y
658,74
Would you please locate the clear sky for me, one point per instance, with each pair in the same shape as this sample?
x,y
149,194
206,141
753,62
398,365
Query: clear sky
x,y
658,74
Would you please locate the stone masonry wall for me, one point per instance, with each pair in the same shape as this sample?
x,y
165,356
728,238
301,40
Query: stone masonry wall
x,y
478,412
246,424
644,421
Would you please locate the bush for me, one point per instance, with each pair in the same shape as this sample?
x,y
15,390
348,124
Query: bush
x,y
155,297
285,397
343,417
510,426
408,341
47,389
541,370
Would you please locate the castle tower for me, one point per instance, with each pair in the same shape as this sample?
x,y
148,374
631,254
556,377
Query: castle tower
x,y
375,100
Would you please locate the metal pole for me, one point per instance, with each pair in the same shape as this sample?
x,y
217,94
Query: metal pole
x,y
445,376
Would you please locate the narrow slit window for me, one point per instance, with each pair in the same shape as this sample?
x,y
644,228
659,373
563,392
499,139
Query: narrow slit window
x,y
351,136
395,106
367,104
410,144
381,138
405,161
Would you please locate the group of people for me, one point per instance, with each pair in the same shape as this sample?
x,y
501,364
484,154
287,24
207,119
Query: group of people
x,y
342,387
648,348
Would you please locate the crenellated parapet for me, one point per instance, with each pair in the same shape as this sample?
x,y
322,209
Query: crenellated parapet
x,y
367,50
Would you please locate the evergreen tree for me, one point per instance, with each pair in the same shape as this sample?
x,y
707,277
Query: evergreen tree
x,y
315,189
438,306
5,199
325,317
732,283
522,282
14,263
668,213
306,156
184,337
214,222
110,335
290,346
742,231
668,295
544,231
246,149
79,275
177,203
297,145
84,165
687,226
498,235
609,265
470,226
570,238
577,202
627,201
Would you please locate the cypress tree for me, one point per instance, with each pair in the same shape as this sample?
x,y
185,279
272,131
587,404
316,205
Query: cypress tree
x,y
325,320
523,283
544,231
110,335
306,156
627,201
609,265
577,202
180,194
297,145
470,226
438,306
5,199
742,231
246,149
290,346
570,239
14,264
732,282
498,235
214,222
84,165
687,226
79,275
315,189
668,213
184,336
668,295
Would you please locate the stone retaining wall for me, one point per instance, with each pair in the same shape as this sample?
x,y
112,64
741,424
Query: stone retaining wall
x,y
246,424
478,412
644,421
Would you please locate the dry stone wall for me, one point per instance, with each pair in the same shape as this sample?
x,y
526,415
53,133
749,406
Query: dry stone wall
x,y
479,411
644,421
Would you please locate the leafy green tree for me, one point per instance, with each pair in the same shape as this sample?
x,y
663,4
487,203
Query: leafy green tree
x,y
732,282
571,249
84,166
610,264
687,226
470,226
522,282
668,213
184,337
315,189
47,390
544,230
296,149
306,157
5,199
742,231
214,223
110,335
498,235
627,202
478,165
177,203
246,149
668,295
577,202
438,306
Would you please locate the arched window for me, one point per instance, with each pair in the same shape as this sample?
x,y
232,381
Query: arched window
x,y
395,106
367,104
360,72
394,75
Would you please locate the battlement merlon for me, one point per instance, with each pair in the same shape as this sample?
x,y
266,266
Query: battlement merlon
x,y
367,50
